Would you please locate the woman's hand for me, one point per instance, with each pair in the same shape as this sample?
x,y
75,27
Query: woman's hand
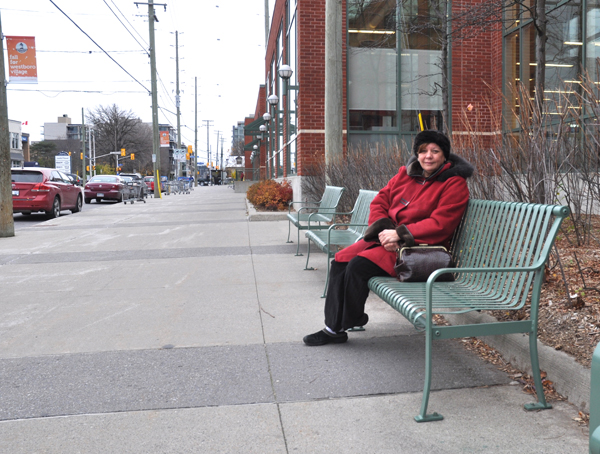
x,y
389,239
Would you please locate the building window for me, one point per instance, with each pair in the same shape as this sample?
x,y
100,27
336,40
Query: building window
x,y
372,65
379,31
15,140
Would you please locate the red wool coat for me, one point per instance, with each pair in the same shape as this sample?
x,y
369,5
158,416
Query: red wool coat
x,y
434,210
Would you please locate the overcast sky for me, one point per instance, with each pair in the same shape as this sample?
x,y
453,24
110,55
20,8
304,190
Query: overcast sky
x,y
221,42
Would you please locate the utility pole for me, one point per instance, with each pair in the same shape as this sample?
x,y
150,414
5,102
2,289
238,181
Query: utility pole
x,y
7,223
155,134
221,167
177,99
208,122
195,132
333,81
83,170
217,149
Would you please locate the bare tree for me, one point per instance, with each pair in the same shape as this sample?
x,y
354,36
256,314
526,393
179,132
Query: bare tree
x,y
117,129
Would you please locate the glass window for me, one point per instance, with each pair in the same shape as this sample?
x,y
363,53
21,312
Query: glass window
x,y
420,58
372,65
592,51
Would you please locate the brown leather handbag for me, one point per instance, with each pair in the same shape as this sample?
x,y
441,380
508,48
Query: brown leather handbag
x,y
415,264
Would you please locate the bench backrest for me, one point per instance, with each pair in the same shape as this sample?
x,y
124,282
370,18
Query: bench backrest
x,y
509,235
330,201
361,210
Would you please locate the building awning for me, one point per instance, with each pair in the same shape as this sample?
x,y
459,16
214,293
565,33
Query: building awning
x,y
252,129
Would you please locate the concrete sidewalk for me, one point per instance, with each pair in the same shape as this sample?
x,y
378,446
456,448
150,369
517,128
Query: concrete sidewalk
x,y
176,326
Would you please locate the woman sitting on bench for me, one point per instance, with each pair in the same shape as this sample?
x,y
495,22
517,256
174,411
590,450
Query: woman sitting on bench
x,y
422,204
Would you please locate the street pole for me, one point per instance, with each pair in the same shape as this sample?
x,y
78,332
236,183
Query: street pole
x,y
177,99
195,132
155,134
208,122
7,223
217,148
333,81
83,170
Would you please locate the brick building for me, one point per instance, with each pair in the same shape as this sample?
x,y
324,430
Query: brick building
x,y
393,78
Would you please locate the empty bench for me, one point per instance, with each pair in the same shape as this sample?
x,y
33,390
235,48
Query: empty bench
x,y
500,250
320,214
340,234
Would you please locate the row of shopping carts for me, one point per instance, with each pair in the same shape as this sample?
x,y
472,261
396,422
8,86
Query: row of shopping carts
x,y
178,187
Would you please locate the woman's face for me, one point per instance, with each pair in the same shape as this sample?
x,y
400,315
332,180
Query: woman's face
x,y
431,157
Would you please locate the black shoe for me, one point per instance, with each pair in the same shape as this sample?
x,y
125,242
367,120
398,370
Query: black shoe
x,y
324,337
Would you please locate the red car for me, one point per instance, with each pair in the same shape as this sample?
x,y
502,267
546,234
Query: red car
x,y
36,189
105,187
150,183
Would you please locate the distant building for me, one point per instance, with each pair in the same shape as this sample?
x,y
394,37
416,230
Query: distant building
x,y
238,135
63,129
16,144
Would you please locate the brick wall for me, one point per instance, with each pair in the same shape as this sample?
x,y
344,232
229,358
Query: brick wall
x,y
476,79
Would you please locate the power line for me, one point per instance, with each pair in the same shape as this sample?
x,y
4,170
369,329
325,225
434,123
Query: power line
x,y
124,26
100,47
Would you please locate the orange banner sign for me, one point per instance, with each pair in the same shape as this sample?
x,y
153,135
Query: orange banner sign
x,y
164,138
21,59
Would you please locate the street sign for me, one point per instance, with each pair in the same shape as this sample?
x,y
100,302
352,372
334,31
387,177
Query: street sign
x,y
63,163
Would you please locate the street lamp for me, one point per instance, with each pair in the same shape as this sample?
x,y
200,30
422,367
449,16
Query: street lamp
x,y
262,128
273,100
267,116
285,72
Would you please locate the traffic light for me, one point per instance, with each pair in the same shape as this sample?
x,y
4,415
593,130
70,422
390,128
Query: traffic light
x,y
87,168
93,167
69,153
81,156
122,151
190,149
132,156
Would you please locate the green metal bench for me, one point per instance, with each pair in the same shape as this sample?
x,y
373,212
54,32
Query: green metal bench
x,y
595,403
320,213
342,234
500,250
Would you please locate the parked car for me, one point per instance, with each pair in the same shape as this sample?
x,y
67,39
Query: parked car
x,y
163,184
76,178
149,183
138,181
105,187
37,189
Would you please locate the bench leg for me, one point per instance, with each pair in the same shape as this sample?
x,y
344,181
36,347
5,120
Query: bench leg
x,y
423,416
306,268
541,404
289,231
298,247
327,279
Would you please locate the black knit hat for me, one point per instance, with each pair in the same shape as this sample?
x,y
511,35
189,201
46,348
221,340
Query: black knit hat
x,y
431,136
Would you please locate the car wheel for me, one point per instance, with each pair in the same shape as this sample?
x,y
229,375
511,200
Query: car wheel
x,y
55,211
78,205
88,200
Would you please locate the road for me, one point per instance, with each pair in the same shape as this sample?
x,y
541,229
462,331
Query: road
x,y
23,221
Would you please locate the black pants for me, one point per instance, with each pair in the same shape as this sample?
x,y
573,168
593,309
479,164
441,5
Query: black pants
x,y
348,291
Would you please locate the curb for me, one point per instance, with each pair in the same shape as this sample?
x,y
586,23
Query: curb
x,y
570,379
254,215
